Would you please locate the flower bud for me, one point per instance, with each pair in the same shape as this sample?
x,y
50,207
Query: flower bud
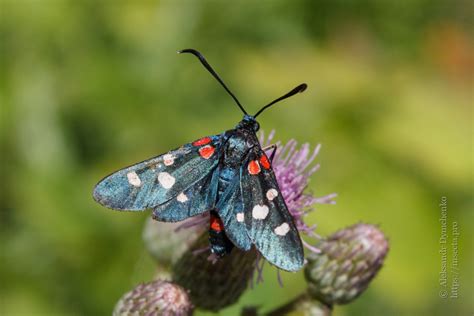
x,y
348,261
214,284
160,298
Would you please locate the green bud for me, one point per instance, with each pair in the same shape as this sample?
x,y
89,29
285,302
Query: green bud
x,y
214,285
160,298
348,261
166,243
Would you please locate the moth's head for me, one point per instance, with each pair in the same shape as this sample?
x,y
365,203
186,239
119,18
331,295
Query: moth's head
x,y
249,122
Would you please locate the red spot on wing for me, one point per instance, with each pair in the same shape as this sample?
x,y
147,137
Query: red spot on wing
x,y
264,162
202,141
253,167
216,223
206,152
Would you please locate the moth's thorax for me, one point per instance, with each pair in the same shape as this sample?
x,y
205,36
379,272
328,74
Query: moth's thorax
x,y
248,123
238,145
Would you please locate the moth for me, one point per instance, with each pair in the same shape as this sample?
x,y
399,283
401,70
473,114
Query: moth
x,y
229,175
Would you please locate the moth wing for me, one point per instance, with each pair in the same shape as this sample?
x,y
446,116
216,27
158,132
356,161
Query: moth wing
x,y
269,224
231,211
160,179
198,198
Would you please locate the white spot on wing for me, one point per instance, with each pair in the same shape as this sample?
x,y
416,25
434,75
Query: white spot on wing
x,y
271,194
240,217
133,179
260,211
282,230
168,159
182,197
166,180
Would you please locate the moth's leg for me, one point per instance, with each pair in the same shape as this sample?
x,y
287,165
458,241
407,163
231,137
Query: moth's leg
x,y
274,147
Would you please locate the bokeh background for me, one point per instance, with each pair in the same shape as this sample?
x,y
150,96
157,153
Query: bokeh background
x,y
89,87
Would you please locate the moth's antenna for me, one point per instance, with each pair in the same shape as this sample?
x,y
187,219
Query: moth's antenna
x,y
213,73
296,90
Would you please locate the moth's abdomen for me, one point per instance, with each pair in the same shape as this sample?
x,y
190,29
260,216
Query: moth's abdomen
x,y
220,244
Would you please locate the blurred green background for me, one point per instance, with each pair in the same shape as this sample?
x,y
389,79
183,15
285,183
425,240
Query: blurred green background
x,y
87,88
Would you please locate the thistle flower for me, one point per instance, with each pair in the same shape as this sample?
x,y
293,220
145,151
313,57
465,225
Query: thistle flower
x,y
155,298
349,260
215,285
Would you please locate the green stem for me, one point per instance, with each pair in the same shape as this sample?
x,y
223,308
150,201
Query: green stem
x,y
303,304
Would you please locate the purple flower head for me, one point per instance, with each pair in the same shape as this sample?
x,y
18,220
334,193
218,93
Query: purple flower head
x,y
293,167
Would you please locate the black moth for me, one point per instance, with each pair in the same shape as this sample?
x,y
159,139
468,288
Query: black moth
x,y
227,174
